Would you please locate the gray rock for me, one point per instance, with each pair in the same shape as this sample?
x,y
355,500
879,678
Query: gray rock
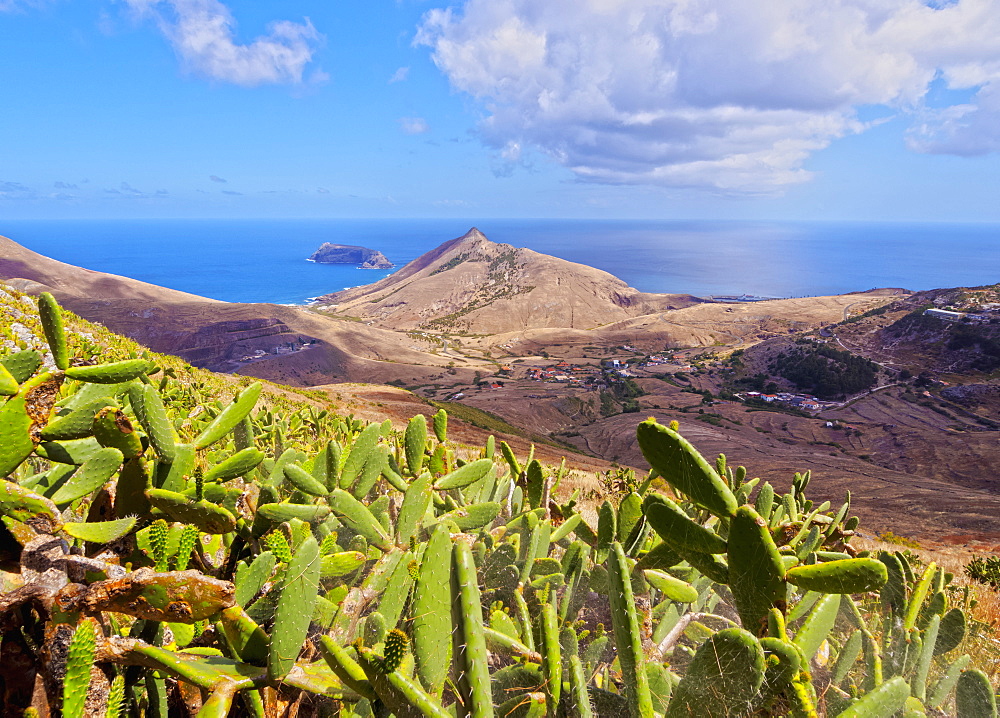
x,y
365,258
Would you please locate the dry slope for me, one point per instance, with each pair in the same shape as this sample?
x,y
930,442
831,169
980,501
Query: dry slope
x,y
25,270
279,343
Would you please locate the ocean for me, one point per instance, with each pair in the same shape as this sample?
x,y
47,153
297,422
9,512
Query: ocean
x,y
265,260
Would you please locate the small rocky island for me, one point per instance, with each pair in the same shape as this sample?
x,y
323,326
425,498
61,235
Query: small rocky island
x,y
365,258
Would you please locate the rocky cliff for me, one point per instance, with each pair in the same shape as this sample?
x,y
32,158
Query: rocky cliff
x,y
364,257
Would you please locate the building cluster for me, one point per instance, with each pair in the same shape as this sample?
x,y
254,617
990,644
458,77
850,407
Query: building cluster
x,y
278,349
946,314
565,373
974,312
256,355
732,298
611,371
804,402
657,360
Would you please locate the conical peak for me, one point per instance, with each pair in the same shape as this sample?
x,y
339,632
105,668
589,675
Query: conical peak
x,y
474,235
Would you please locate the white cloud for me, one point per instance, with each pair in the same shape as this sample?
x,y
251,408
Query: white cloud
x,y
730,95
202,33
399,75
14,5
127,191
413,125
15,190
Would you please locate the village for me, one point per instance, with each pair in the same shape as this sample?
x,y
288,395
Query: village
x,y
604,373
591,375
975,306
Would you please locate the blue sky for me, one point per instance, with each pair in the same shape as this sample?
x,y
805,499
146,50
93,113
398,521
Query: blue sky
x,y
817,109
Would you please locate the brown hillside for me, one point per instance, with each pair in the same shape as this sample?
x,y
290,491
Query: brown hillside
x,y
20,263
910,469
295,346
473,285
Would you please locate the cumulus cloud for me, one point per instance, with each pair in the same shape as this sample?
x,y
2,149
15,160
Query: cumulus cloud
x,y
202,34
413,125
730,95
216,178
399,75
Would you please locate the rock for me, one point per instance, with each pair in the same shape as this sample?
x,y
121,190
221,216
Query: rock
x,y
971,394
365,258
377,261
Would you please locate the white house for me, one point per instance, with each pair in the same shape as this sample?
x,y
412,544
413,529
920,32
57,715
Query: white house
x,y
947,315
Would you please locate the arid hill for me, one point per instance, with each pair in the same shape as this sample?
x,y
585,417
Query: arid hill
x,y
475,286
900,334
283,344
23,269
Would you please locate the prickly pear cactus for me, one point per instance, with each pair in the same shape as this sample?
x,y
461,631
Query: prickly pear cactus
x,y
230,551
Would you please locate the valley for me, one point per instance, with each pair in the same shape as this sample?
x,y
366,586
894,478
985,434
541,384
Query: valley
x,y
572,358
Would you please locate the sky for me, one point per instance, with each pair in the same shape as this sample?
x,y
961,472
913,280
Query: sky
x,y
720,109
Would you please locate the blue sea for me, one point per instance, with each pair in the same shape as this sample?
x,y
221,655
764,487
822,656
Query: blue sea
x,y
265,260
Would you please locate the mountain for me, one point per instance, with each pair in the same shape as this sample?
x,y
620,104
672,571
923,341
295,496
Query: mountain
x,y
475,286
549,306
